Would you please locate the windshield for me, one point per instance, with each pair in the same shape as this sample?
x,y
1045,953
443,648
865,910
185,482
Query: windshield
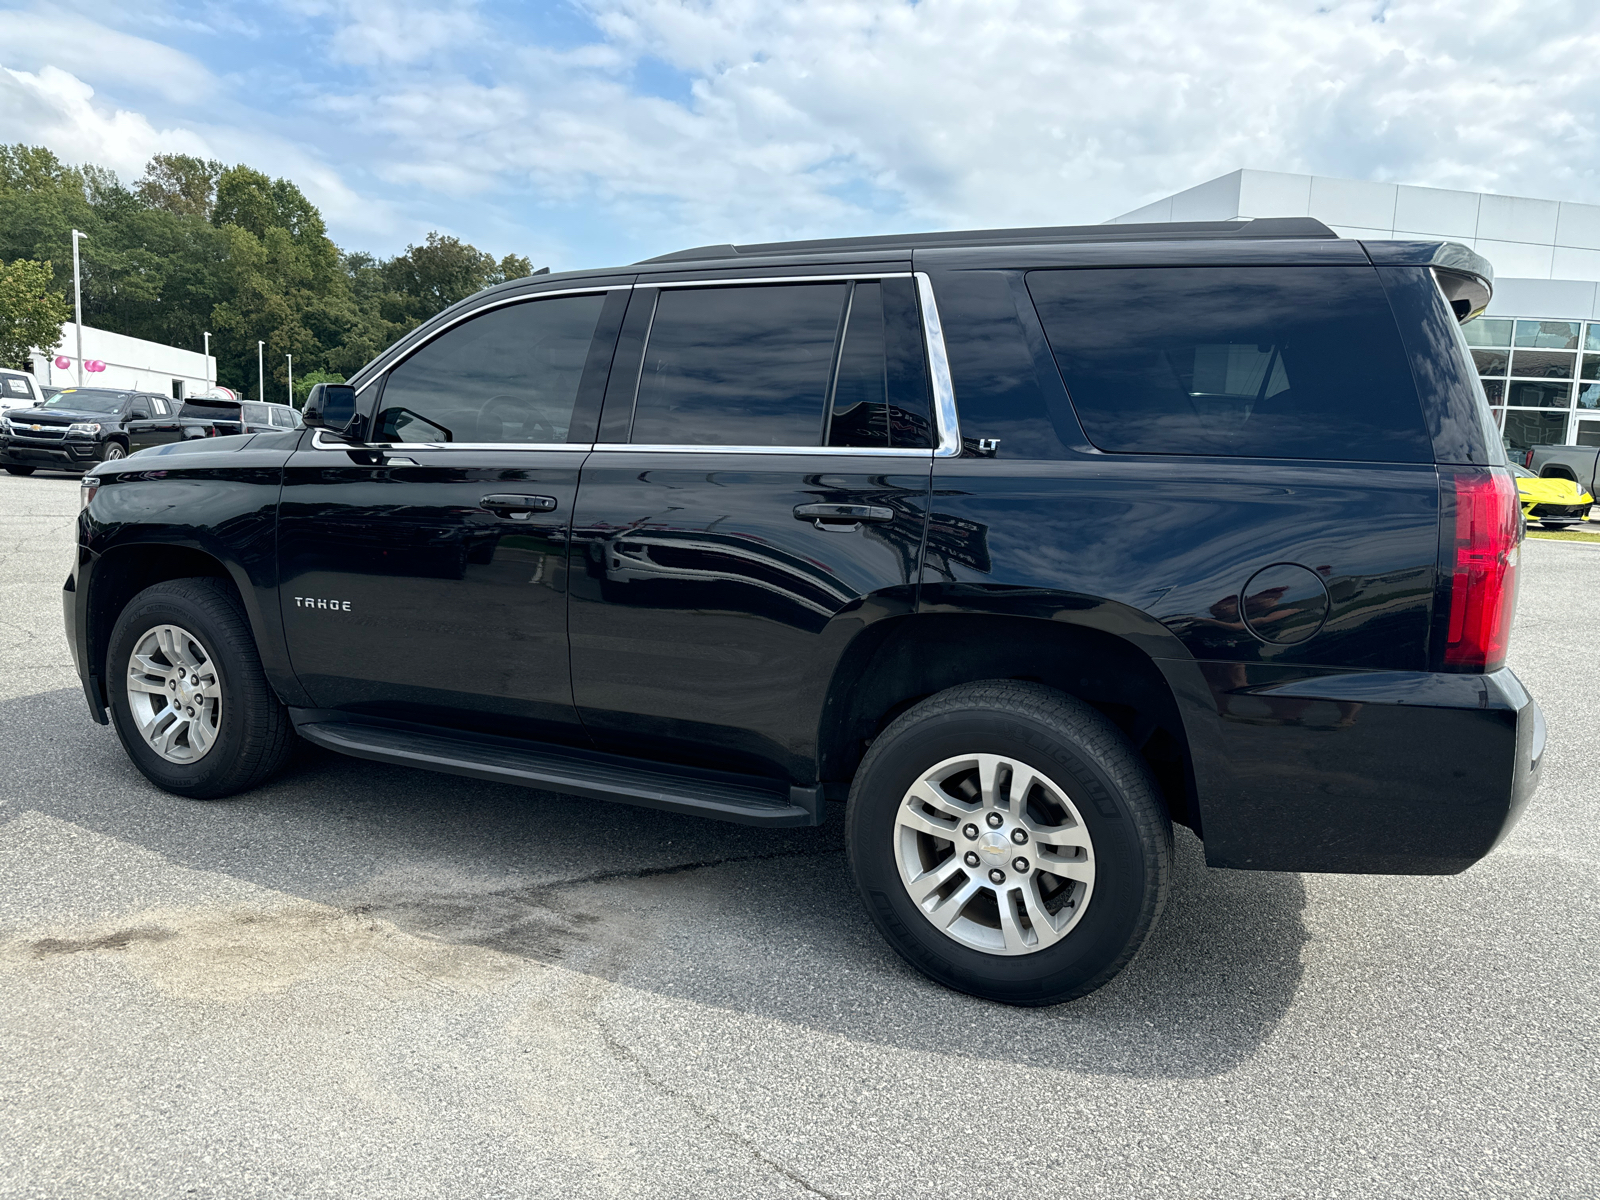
x,y
87,399
1522,472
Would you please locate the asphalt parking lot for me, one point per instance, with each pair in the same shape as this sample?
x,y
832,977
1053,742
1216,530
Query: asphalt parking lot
x,y
363,981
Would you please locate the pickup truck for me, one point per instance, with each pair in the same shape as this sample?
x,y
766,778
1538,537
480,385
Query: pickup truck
x,y
1021,547
80,427
1581,464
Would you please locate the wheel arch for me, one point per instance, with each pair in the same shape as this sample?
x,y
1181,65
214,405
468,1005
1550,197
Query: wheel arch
x,y
899,661
121,572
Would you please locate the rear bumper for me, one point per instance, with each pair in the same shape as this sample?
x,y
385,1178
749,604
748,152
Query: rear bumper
x,y
1391,772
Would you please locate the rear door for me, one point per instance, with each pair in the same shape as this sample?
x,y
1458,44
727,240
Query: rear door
x,y
424,578
152,421
758,497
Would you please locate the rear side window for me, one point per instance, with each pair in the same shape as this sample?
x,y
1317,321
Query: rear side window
x,y
283,418
814,364
256,414
510,374
1269,362
13,385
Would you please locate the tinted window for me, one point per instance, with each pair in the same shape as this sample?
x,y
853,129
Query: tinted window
x,y
880,395
1276,362
508,375
160,406
283,417
739,366
211,410
13,385
257,414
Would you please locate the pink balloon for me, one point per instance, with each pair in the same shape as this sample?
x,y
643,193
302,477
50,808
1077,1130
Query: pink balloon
x,y
62,362
94,364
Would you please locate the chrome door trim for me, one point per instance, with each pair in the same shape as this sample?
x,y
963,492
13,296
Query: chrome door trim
x,y
317,443
713,448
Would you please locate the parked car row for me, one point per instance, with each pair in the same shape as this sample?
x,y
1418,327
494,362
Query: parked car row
x,y
79,427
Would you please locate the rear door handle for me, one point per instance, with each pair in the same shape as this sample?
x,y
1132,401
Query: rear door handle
x,y
842,517
518,508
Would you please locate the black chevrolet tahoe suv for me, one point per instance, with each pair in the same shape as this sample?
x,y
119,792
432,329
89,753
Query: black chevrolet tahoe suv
x,y
79,427
1028,544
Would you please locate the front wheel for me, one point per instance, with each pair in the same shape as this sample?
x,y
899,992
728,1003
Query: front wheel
x,y
1009,842
112,452
189,699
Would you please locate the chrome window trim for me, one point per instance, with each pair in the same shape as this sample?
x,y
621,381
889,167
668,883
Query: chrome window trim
x,y
318,443
744,282
593,289
944,400
944,392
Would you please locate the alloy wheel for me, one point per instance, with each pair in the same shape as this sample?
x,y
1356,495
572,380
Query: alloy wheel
x,y
994,854
175,694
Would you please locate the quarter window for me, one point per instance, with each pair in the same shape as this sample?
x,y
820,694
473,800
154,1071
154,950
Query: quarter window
x,y
836,364
1301,362
509,375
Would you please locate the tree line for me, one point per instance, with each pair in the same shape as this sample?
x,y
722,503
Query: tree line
x,y
195,246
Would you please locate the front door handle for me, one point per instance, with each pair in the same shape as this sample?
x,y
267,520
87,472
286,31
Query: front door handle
x,y
842,517
518,508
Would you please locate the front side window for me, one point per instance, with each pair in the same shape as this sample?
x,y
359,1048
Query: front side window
x,y
14,385
810,364
1272,362
509,375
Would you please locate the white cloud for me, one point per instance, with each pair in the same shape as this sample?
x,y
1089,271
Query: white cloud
x,y
977,112
847,116
58,110
74,43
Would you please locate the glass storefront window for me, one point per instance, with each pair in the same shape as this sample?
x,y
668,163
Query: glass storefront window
x,y
1495,389
1549,335
1525,429
1499,415
1591,362
1487,331
1592,342
1588,433
1526,394
1543,364
1589,395
1493,362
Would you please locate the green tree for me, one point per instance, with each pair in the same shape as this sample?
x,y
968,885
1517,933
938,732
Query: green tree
x,y
443,270
31,312
181,184
303,385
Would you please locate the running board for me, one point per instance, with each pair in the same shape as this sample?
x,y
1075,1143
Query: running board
x,y
748,800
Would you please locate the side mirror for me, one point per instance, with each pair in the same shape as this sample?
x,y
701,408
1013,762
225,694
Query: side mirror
x,y
332,406
138,414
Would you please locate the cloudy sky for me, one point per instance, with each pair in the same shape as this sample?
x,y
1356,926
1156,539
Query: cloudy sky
x,y
583,132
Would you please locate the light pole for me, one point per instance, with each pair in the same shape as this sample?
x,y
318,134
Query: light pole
x,y
77,300
261,372
208,362
290,357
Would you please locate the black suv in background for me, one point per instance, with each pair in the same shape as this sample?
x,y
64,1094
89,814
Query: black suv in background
x,y
78,427
1029,543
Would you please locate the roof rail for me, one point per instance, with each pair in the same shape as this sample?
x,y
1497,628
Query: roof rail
x,y
1161,231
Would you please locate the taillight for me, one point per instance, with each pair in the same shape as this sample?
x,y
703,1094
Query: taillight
x,y
1527,459
1482,561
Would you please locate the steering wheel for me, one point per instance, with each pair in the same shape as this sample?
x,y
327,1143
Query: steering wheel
x,y
517,412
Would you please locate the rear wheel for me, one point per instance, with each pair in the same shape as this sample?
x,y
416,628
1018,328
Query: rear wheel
x,y
10,470
1009,842
189,698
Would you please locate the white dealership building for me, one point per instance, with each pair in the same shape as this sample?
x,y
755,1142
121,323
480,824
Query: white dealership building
x,y
1538,346
113,360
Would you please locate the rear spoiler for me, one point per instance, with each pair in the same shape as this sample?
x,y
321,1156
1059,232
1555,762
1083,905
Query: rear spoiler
x,y
1465,277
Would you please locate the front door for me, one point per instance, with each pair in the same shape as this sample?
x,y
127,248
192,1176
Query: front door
x,y
425,579
762,501
152,421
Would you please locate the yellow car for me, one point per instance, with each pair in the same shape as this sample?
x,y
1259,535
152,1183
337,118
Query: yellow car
x,y
1552,502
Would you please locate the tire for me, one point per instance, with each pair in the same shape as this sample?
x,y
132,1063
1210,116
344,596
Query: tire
x,y
10,470
1095,810
240,734
112,451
